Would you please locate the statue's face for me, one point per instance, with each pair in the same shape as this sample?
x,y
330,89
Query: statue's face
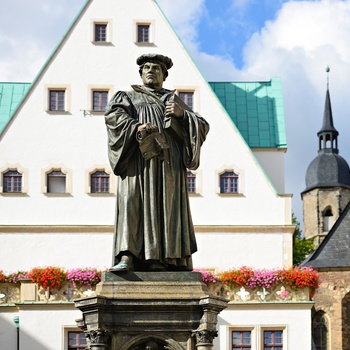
x,y
152,75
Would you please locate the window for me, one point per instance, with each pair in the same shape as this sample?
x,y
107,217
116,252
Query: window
x,y
229,182
273,340
56,100
100,32
76,340
187,97
12,182
319,331
241,340
328,220
99,182
143,33
56,182
191,182
99,100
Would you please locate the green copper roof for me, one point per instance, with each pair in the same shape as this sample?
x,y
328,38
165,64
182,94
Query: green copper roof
x,y
11,94
256,108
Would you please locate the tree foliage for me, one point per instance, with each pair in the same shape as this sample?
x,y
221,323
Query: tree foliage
x,y
302,247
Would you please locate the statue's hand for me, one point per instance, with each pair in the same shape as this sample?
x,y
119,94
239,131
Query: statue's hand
x,y
149,127
173,109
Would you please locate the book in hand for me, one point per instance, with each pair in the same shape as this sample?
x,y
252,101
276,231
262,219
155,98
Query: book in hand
x,y
152,144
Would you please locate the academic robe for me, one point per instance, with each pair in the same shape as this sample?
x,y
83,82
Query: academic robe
x,y
153,219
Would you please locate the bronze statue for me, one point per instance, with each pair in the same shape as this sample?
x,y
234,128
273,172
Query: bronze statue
x,y
153,137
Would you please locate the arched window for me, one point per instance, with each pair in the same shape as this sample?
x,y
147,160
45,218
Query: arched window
x,y
328,220
56,182
99,182
229,182
320,331
12,181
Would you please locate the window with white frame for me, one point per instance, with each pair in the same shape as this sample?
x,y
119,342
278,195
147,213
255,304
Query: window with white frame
x,y
241,340
229,182
57,100
12,181
143,33
187,98
99,182
273,339
76,340
56,181
99,100
100,32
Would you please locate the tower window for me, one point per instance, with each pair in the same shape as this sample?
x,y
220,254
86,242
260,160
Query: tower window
x,y
328,220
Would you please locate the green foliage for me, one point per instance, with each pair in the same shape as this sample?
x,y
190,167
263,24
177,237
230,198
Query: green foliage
x,y
301,247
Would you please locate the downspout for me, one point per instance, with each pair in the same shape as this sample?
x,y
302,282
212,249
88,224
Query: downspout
x,y
16,321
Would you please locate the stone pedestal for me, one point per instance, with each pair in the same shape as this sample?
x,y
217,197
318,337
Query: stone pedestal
x,y
150,311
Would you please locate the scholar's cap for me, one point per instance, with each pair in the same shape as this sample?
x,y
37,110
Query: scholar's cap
x,y
153,57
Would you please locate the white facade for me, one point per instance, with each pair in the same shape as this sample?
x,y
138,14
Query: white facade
x,y
74,229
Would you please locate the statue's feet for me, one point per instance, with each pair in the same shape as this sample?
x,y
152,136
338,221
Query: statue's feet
x,y
125,265
156,266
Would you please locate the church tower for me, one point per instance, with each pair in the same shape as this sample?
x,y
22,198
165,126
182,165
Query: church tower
x,y
327,181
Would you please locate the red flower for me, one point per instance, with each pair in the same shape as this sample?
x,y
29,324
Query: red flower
x,y
49,276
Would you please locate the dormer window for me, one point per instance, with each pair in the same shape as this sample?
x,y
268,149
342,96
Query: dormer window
x,y
12,182
99,100
56,182
143,33
187,98
191,182
99,182
100,32
57,100
228,182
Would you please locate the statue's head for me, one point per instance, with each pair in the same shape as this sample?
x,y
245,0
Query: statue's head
x,y
154,69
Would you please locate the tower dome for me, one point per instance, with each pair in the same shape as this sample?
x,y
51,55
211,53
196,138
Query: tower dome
x,y
328,169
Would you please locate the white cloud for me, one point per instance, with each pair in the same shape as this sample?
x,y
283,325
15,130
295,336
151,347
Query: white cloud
x,y
184,15
297,45
36,27
306,37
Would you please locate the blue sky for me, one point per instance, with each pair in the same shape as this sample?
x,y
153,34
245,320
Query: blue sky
x,y
230,40
226,25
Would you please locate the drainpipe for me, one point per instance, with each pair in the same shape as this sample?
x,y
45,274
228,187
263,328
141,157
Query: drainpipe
x,y
16,321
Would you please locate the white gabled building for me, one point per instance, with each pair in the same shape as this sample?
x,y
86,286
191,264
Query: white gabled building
x,y
54,143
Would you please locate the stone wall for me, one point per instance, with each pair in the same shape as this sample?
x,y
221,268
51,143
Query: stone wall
x,y
315,202
333,298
